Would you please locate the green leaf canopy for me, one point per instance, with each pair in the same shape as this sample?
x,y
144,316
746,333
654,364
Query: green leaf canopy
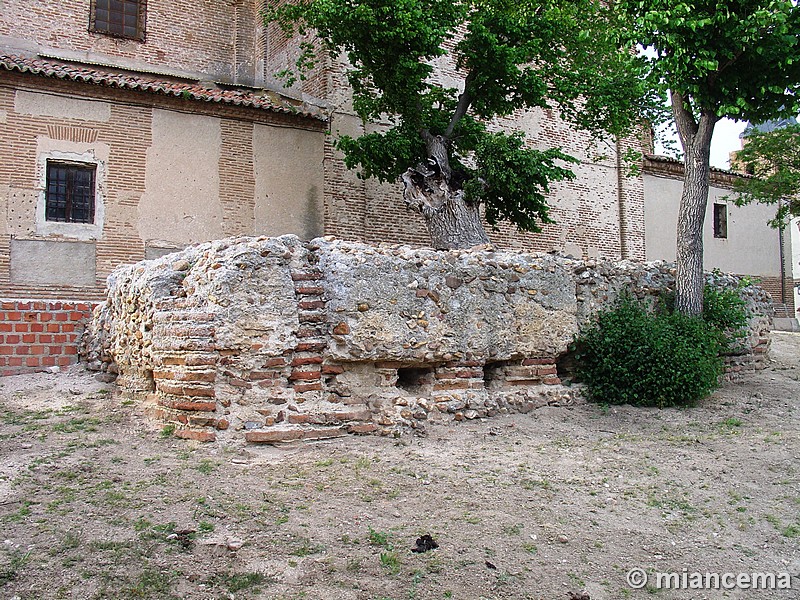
x,y
773,158
738,59
509,56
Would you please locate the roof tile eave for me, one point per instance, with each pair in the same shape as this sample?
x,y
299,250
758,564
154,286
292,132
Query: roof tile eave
x,y
46,68
660,158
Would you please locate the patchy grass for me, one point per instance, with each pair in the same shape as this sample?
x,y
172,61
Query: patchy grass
x,y
12,563
96,505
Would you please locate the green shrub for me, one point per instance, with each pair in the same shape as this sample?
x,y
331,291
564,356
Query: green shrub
x,y
725,310
632,356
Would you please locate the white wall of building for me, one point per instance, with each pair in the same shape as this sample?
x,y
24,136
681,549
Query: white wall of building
x,y
751,247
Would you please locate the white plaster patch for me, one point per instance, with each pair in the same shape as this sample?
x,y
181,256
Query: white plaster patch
x,y
45,262
181,203
286,203
3,116
48,105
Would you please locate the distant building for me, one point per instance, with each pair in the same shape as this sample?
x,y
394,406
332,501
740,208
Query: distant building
x,y
736,239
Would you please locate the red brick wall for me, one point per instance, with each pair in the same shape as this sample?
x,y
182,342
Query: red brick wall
x,y
195,36
773,286
586,211
37,335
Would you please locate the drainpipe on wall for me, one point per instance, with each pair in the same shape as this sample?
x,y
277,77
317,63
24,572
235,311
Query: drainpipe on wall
x,y
781,253
623,235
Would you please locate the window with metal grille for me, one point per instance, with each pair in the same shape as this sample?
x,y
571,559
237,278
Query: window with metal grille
x,y
69,196
122,18
721,221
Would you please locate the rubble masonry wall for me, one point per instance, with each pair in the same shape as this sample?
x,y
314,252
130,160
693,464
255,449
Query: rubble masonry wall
x,y
273,339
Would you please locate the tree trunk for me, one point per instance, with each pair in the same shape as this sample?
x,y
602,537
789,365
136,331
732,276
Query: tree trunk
x,y
452,222
695,138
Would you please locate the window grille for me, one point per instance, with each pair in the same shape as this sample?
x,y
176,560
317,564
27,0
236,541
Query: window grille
x,y
121,18
69,197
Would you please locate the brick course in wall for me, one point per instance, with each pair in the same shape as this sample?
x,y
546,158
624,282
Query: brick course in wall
x,y
37,335
180,35
773,286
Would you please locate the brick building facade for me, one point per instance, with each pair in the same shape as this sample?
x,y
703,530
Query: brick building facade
x,y
170,110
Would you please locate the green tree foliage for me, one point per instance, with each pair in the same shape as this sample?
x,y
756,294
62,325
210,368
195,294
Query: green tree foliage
x,y
717,59
561,54
773,157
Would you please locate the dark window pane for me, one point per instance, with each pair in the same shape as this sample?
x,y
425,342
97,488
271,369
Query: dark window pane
x,y
720,221
119,17
69,196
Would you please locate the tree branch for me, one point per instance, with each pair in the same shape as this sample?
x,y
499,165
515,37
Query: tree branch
x,y
728,64
464,100
705,129
684,119
436,148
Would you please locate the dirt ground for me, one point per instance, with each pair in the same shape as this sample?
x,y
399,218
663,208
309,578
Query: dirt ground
x,y
95,502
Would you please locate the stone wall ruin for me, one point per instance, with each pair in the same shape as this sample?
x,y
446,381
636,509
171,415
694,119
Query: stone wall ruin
x,y
273,339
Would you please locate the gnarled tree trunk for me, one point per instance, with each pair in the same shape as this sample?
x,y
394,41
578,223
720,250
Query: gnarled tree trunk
x,y
695,138
429,189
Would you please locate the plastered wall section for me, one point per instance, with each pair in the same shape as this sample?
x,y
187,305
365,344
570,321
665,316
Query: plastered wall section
x,y
181,202
751,247
289,182
165,179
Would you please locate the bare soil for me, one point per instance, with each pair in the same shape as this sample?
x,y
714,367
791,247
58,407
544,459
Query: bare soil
x,y
96,502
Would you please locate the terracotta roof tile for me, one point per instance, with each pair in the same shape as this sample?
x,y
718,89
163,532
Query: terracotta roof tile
x,y
668,160
192,91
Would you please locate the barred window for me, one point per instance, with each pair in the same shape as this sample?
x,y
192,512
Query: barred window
x,y
720,221
69,193
122,18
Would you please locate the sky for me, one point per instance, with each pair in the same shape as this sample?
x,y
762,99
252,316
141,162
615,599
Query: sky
x,y
725,140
